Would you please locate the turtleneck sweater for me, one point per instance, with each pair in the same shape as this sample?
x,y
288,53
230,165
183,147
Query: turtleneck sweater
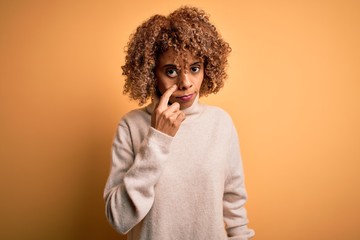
x,y
190,186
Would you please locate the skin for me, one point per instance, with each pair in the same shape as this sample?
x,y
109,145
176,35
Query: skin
x,y
179,86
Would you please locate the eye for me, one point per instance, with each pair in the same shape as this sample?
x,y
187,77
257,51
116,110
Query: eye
x,y
171,73
195,69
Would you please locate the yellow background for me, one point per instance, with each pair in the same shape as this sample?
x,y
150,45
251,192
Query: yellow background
x,y
293,92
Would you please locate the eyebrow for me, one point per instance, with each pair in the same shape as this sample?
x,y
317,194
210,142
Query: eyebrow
x,y
195,63
174,66
169,65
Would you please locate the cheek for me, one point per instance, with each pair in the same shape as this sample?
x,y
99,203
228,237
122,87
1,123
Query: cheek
x,y
162,85
200,80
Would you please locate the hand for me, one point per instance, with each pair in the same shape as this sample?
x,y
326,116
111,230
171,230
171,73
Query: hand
x,y
167,119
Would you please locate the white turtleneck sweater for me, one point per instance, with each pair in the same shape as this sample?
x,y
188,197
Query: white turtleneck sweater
x,y
189,187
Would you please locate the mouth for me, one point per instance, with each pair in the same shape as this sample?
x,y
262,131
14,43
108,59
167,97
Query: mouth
x,y
186,97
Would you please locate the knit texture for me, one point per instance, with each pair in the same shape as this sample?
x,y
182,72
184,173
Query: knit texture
x,y
190,186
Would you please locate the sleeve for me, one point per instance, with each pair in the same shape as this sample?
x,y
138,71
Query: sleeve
x,y
235,195
129,191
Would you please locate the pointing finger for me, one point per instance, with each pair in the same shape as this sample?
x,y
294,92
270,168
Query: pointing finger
x,y
164,99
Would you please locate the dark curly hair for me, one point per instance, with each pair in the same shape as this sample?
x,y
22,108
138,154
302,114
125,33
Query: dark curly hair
x,y
185,29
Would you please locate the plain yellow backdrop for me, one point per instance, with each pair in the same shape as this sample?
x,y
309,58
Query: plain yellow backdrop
x,y
293,92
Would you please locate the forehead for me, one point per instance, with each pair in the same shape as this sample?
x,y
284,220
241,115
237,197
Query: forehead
x,y
171,57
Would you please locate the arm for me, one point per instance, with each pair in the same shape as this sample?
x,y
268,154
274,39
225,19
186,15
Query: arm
x,y
129,191
235,196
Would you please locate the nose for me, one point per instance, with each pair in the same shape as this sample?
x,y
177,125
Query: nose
x,y
184,81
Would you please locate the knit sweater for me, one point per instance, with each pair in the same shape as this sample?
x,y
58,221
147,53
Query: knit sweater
x,y
190,186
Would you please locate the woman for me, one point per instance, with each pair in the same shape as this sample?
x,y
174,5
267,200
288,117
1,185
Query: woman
x,y
176,169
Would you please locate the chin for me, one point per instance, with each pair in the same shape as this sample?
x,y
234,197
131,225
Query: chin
x,y
185,105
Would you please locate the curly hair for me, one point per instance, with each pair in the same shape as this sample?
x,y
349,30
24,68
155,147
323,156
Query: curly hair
x,y
185,29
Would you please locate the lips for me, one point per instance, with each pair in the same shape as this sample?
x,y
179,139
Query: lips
x,y
186,97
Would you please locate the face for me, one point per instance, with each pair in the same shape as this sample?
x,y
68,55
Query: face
x,y
188,80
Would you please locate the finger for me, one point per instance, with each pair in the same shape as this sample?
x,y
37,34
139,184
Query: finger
x,y
175,107
181,117
164,99
176,118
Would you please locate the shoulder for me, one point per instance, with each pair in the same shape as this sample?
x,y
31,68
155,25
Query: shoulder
x,y
218,114
218,120
135,117
134,124
135,113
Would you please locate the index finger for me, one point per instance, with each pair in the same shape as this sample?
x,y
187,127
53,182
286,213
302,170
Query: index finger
x,y
164,99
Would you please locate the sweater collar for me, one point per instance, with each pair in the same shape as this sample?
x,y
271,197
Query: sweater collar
x,y
191,112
